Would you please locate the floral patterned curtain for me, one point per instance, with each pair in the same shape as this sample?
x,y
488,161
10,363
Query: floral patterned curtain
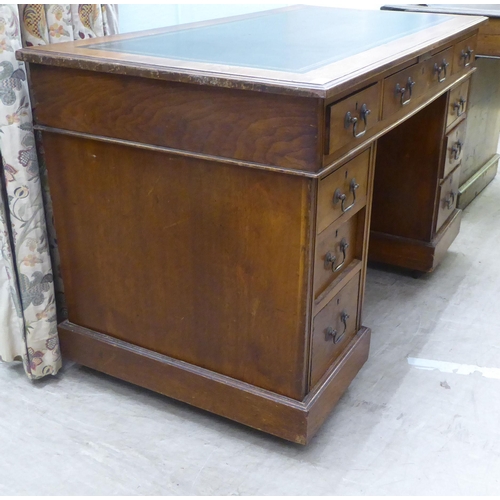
x,y
28,316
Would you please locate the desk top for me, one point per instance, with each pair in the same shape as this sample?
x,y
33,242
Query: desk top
x,y
294,41
300,50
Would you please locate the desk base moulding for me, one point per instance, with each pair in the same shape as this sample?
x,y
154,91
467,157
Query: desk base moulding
x,y
267,411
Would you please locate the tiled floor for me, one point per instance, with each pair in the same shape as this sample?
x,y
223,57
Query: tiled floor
x,y
399,429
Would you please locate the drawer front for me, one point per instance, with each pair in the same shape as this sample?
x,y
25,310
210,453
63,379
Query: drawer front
x,y
448,193
454,148
457,104
352,117
343,190
336,248
402,87
464,53
333,327
438,68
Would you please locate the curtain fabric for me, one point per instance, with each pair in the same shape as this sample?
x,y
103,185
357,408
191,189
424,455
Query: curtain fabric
x,y
28,314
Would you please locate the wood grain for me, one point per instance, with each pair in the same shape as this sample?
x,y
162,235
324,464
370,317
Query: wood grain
x,y
458,102
448,194
251,126
340,135
455,144
202,262
459,62
406,175
483,117
263,410
330,209
415,254
335,382
329,242
471,189
392,98
324,349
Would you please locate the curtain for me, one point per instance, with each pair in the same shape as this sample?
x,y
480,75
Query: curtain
x,y
28,245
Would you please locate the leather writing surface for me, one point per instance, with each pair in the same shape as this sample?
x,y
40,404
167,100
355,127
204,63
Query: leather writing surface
x,y
296,41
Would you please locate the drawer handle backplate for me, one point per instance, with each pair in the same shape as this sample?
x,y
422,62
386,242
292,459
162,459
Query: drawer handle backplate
x,y
466,55
334,334
339,196
456,150
441,69
330,258
403,90
459,106
450,200
349,119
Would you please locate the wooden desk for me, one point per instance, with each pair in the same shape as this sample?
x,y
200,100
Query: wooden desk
x,y
212,188
480,157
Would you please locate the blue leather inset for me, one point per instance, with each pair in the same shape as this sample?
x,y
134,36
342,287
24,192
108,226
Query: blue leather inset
x,y
296,41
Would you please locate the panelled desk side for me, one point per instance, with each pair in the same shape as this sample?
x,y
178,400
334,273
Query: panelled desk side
x,y
480,154
214,230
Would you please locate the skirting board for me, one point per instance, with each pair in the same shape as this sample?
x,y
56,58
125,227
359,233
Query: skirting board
x,y
273,413
469,190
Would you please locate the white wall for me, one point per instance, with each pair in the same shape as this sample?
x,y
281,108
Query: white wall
x,y
136,17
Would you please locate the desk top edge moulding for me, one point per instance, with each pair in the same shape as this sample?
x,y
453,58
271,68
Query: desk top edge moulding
x,y
488,10
212,190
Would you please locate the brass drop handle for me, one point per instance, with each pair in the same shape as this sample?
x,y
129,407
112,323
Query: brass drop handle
x,y
466,55
450,200
344,317
403,90
330,258
343,247
334,334
339,196
353,120
456,150
459,106
441,69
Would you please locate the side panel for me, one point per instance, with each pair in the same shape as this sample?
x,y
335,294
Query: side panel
x,y
406,174
200,261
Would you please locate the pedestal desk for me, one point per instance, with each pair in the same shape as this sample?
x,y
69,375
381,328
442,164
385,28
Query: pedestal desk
x,y
212,189
480,153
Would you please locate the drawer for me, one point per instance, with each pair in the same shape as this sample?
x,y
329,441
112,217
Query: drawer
x,y
343,190
336,248
457,104
454,148
333,327
352,117
402,87
438,68
448,193
464,53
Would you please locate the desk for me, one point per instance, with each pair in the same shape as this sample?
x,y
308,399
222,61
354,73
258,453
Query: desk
x,y
480,157
212,189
